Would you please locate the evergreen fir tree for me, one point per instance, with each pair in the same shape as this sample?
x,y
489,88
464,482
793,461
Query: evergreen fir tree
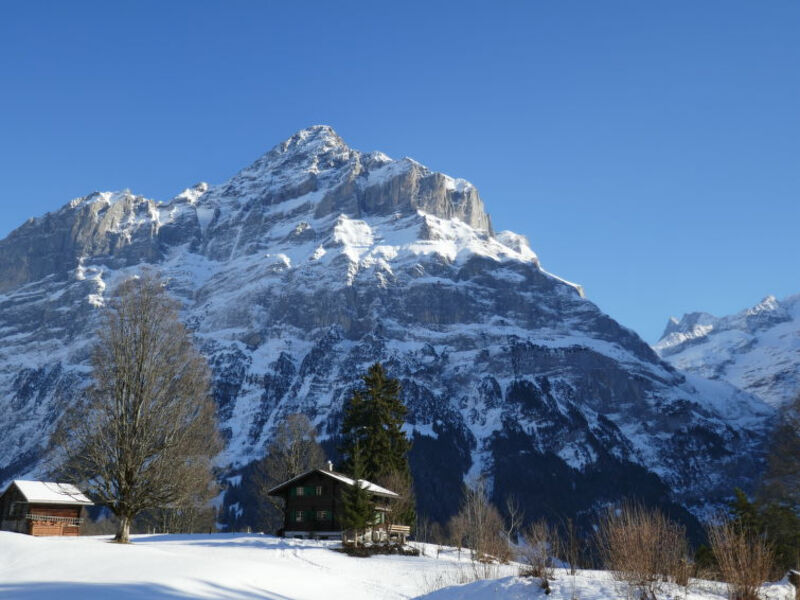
x,y
373,422
374,419
357,509
745,513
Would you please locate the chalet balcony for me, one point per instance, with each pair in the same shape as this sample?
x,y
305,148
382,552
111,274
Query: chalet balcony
x,y
54,519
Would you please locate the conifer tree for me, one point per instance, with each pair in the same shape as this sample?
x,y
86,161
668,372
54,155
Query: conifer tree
x,y
373,422
374,419
357,509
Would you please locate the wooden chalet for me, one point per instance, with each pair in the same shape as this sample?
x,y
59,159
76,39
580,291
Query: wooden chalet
x,y
313,505
42,508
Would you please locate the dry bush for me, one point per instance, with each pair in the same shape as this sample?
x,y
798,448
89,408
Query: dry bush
x,y
458,575
456,532
642,548
480,527
542,545
745,559
483,526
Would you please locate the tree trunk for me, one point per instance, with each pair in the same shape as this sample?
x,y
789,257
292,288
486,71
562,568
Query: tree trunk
x,y
123,531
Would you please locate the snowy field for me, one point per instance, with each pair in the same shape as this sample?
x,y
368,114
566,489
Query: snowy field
x,y
249,567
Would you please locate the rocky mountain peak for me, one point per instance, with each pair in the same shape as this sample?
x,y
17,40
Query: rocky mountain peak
x,y
317,260
314,139
310,151
756,349
688,324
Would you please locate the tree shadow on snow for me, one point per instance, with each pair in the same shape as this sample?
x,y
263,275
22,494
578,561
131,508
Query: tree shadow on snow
x,y
70,590
223,540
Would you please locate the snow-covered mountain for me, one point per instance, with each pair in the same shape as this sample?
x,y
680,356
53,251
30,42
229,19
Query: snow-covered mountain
x,y
317,260
757,349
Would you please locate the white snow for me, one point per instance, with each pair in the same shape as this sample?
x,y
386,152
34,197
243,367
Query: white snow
x,y
250,567
230,566
48,492
589,585
367,485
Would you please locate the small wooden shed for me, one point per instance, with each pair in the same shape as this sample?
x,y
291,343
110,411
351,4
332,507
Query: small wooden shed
x,y
42,508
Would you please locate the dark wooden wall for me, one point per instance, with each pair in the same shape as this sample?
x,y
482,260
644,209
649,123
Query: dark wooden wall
x,y
329,501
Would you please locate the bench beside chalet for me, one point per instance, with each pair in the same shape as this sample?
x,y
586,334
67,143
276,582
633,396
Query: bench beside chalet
x,y
313,506
42,508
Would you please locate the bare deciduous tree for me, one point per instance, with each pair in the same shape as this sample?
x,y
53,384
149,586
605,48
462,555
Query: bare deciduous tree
x,y
515,517
642,548
457,532
145,434
745,559
401,507
191,515
571,548
292,451
482,526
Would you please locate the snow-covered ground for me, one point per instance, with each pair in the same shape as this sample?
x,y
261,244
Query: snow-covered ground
x,y
235,566
249,567
588,585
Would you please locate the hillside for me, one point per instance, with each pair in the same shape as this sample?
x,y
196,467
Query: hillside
x,y
250,567
317,260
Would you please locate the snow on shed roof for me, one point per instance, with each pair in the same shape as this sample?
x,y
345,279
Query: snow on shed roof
x,y
367,485
48,492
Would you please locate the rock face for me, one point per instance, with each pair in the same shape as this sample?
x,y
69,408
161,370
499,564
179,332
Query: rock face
x,y
757,349
316,261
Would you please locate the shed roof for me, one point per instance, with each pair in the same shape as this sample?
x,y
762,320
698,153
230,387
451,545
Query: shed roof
x,y
48,492
367,485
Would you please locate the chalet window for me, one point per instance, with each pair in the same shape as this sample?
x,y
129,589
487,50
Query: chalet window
x,y
17,510
301,491
319,490
298,515
322,515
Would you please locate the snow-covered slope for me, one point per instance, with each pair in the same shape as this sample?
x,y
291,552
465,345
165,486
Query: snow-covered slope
x,y
249,567
757,349
220,566
590,585
317,260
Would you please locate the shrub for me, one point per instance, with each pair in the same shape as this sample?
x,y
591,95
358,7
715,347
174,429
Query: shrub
x,y
643,549
745,559
542,544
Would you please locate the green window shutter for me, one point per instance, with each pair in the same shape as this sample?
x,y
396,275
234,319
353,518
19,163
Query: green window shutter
x,y
292,492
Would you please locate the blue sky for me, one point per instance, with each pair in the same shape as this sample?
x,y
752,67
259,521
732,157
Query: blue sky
x,y
649,150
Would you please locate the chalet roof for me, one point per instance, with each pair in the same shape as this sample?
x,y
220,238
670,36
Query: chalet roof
x,y
48,492
367,485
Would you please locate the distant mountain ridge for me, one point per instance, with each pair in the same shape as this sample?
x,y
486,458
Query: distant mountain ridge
x,y
317,260
757,349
